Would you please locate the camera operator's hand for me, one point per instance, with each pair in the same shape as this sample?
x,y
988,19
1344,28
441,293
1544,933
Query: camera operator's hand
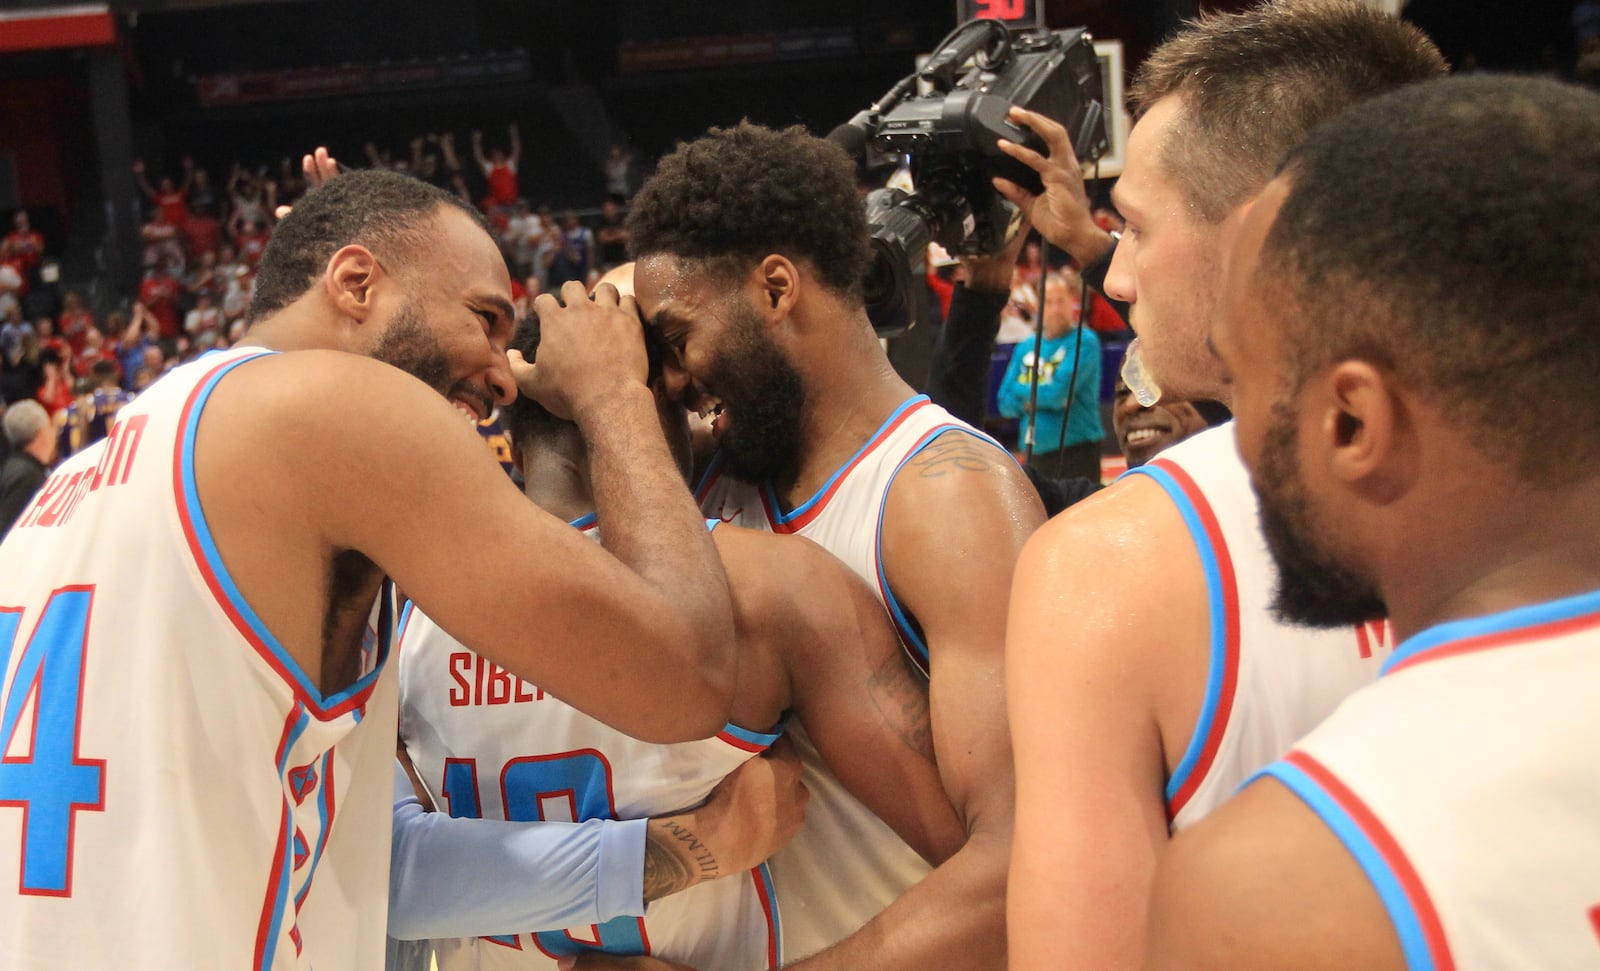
x,y
992,274
1062,213
589,350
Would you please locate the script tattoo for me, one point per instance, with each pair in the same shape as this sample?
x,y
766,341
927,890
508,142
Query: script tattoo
x,y
954,452
674,860
900,695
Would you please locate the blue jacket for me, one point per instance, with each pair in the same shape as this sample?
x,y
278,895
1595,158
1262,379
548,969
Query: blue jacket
x,y
1055,377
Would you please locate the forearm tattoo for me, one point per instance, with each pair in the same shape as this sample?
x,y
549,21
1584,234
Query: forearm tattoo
x,y
674,860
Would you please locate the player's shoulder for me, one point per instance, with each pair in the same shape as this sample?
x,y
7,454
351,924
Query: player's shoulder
x,y
962,476
1132,522
328,388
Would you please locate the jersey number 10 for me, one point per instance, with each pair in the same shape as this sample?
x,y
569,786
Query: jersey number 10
x,y
568,787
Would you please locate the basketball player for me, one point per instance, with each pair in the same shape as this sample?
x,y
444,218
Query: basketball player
x,y
1138,707
830,657
193,708
757,289
1397,425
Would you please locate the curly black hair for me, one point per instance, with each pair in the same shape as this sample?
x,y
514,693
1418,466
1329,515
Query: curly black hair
x,y
735,195
387,212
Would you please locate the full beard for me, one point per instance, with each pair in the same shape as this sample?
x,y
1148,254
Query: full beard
x,y
763,396
1313,588
409,345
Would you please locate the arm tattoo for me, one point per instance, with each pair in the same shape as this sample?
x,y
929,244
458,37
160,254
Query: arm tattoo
x,y
954,452
900,696
674,860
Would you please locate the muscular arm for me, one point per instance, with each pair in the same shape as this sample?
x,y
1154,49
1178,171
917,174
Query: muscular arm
x,y
1104,612
957,516
327,452
1262,883
842,672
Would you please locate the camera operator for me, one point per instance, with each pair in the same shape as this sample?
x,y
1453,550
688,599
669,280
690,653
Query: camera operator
x,y
1130,722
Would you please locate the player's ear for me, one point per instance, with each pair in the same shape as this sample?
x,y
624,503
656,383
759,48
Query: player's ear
x,y
779,281
349,280
1367,430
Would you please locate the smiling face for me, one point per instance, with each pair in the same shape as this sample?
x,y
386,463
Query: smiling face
x,y
451,317
1277,432
722,361
1167,265
1143,432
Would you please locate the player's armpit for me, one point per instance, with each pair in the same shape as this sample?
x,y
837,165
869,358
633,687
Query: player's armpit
x,y
1262,883
1088,651
328,452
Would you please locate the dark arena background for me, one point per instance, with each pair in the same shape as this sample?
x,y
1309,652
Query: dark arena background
x,y
88,89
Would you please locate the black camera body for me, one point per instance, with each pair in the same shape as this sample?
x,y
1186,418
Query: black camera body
x,y
949,135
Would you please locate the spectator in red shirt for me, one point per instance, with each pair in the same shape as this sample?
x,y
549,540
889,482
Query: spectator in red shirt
x,y
55,391
172,200
75,322
201,232
251,242
24,246
499,169
159,293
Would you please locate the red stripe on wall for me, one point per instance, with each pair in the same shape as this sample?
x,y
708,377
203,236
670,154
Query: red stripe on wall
x,y
48,31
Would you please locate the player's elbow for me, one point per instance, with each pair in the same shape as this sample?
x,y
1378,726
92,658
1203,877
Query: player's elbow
x,y
699,672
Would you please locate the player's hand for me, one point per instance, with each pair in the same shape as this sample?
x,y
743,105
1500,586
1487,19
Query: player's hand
x,y
318,167
1061,213
599,961
589,349
756,810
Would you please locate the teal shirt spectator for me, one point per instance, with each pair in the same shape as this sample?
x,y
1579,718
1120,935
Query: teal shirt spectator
x,y
1055,380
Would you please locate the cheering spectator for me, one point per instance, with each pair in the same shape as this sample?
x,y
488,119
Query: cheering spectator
x,y
55,388
160,237
159,293
75,322
201,233
172,200
24,246
500,168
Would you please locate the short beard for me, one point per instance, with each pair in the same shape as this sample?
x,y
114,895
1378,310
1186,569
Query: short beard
x,y
763,394
1313,588
409,345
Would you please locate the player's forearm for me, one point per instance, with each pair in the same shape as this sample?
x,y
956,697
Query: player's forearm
x,y
954,920
651,523
471,877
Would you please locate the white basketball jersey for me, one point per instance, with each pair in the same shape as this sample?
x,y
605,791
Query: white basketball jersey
x,y
1464,783
489,745
846,864
1269,683
174,791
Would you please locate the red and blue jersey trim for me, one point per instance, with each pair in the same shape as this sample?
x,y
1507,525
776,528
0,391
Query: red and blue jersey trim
x,y
769,906
749,741
807,512
217,579
1536,622
904,624
1222,676
1411,911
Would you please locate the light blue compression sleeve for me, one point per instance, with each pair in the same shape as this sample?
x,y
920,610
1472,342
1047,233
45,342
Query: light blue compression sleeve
x,y
476,877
